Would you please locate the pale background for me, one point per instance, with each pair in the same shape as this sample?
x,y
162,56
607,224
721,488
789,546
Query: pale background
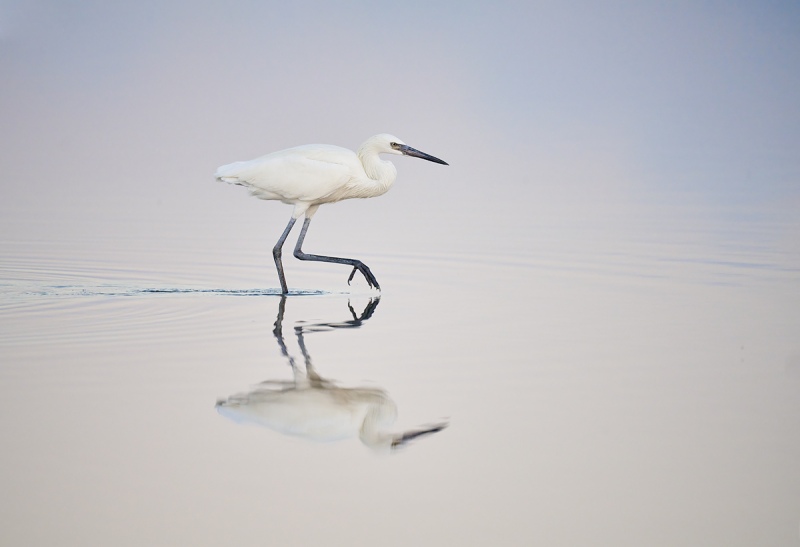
x,y
600,293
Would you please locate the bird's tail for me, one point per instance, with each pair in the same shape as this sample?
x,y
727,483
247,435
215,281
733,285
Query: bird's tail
x,y
230,173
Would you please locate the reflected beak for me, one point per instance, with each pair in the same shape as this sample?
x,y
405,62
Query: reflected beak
x,y
400,440
408,151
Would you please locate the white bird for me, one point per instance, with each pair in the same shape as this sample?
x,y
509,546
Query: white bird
x,y
308,176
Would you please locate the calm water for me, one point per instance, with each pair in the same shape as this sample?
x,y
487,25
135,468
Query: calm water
x,y
583,386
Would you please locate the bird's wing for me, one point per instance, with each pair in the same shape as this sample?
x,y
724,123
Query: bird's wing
x,y
305,173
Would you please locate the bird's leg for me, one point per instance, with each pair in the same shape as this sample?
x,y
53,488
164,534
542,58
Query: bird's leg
x,y
276,254
356,264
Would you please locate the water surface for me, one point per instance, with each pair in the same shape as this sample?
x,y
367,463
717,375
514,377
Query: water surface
x,y
617,387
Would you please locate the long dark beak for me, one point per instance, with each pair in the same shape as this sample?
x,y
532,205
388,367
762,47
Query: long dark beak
x,y
408,151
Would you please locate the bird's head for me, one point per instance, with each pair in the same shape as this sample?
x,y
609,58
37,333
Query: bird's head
x,y
389,144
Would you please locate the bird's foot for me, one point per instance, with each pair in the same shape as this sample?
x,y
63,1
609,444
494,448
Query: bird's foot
x,y
361,267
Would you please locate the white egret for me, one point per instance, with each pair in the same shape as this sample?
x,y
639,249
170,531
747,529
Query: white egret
x,y
308,176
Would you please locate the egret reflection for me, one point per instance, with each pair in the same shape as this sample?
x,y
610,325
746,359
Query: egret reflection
x,y
315,408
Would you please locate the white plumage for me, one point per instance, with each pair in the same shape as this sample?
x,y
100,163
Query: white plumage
x,y
308,176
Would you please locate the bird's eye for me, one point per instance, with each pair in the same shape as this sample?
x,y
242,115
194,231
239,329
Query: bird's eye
x,y
393,144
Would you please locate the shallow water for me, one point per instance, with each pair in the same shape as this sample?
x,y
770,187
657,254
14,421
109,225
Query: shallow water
x,y
638,386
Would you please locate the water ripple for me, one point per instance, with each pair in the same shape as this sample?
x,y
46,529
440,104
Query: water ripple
x,y
78,291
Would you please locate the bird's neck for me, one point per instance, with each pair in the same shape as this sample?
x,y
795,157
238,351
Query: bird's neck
x,y
381,173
